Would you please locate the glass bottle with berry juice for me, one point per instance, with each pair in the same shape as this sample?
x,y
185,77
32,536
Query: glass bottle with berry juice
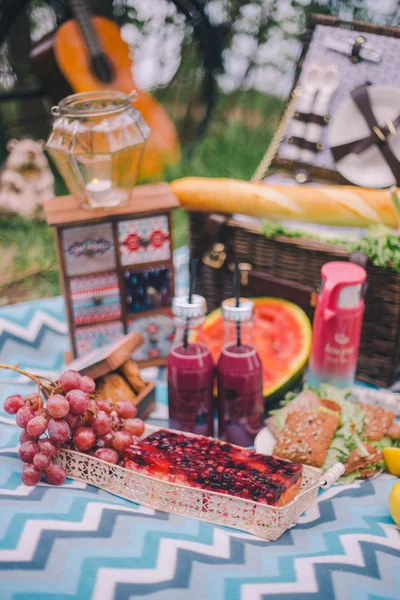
x,y
190,369
239,376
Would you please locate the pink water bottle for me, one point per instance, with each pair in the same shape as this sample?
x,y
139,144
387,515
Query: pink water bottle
x,y
337,325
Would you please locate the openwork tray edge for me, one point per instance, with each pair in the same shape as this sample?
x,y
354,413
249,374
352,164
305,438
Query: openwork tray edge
x,y
267,522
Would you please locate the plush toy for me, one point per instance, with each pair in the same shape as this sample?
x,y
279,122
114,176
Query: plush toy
x,y
26,180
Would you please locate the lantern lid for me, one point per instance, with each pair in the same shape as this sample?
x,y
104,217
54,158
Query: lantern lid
x,y
97,104
96,122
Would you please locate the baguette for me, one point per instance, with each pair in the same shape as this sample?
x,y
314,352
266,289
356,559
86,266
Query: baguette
x,y
330,205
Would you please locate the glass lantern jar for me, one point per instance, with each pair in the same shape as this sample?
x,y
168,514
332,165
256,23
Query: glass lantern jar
x,y
97,143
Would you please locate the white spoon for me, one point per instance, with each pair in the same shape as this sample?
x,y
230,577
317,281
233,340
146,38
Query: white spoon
x,y
304,104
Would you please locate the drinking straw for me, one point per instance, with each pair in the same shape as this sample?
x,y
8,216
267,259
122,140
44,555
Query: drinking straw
x,y
396,202
236,286
192,284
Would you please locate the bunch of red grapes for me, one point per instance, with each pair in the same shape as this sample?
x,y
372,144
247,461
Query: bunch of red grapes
x,y
70,419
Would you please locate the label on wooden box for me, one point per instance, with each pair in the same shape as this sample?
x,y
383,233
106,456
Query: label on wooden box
x,y
158,332
144,240
94,336
89,249
95,298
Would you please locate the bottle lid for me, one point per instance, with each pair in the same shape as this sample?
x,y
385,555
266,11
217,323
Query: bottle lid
x,y
183,309
243,312
343,273
350,296
343,284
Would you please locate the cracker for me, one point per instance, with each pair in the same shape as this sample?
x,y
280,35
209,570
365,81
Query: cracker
x,y
306,437
377,422
354,461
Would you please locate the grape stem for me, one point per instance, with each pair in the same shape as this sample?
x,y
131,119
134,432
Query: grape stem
x,y
42,387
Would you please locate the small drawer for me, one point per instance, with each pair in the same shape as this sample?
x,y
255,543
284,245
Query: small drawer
x,y
144,240
148,289
158,332
94,336
88,249
95,298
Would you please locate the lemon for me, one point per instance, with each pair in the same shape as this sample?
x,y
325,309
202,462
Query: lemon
x,y
392,460
394,503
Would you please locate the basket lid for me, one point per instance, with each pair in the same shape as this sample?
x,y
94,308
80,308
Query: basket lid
x,y
330,43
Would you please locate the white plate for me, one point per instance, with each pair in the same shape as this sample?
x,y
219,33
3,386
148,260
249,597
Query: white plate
x,y
264,442
368,169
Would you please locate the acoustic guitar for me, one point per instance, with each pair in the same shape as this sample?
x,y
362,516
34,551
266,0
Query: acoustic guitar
x,y
90,55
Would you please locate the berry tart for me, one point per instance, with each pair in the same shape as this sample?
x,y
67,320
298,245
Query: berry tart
x,y
201,462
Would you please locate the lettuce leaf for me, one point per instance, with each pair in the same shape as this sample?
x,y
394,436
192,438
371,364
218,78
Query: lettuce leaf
x,y
279,420
350,478
381,244
326,390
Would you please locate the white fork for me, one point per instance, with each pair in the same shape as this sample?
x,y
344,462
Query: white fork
x,y
329,83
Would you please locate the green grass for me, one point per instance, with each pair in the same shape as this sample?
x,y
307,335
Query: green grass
x,y
28,262
235,143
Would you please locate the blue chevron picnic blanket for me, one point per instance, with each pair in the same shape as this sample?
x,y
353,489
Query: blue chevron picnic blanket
x,y
80,543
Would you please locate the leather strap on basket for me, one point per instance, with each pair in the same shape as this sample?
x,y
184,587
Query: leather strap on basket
x,y
212,232
378,136
321,120
356,49
211,249
305,144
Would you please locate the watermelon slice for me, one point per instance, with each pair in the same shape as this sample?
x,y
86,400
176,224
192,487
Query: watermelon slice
x,y
282,334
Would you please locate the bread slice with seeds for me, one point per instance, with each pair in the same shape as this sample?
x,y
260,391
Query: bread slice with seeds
x,y
306,437
377,423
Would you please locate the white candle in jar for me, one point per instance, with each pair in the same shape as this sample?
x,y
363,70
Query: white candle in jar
x,y
99,186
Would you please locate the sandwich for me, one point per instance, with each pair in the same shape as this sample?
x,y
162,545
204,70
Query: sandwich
x,y
322,427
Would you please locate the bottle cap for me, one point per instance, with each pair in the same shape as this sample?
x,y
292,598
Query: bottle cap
x,y
350,296
342,287
343,273
243,312
183,309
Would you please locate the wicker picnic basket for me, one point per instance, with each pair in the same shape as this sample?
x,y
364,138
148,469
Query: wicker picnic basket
x,y
290,268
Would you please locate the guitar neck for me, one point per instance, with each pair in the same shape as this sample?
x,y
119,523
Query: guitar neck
x,y
83,18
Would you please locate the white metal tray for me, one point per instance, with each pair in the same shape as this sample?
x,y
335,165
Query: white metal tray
x,y
268,522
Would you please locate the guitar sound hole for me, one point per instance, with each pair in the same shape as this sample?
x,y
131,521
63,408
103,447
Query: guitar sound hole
x,y
102,68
